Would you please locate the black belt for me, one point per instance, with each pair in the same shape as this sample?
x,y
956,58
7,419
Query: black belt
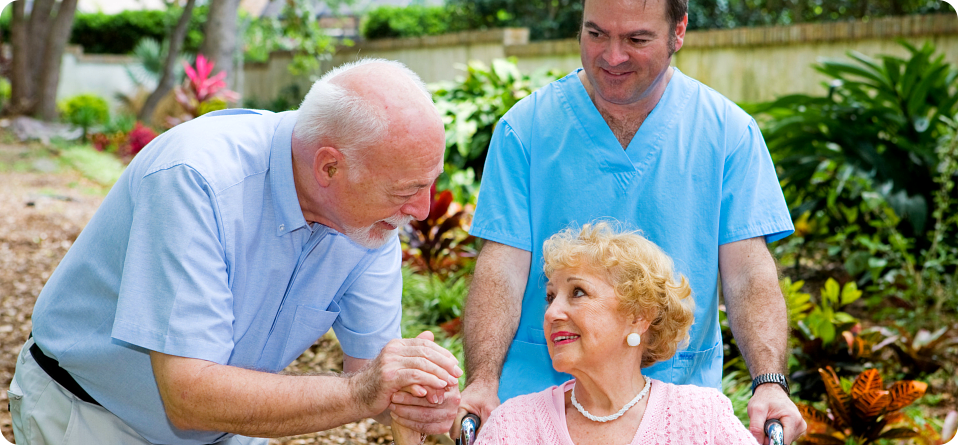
x,y
60,375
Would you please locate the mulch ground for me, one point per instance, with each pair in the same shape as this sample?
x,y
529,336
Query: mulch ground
x,y
43,208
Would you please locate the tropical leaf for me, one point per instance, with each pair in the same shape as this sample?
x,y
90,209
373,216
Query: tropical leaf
x,y
814,415
839,401
905,392
893,417
870,404
821,439
899,433
868,381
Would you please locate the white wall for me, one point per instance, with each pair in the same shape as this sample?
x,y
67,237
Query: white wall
x,y
103,75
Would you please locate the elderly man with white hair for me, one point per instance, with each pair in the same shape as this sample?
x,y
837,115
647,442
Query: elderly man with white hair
x,y
228,247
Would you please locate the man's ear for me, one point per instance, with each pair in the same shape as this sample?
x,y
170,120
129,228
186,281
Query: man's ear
x,y
680,29
326,165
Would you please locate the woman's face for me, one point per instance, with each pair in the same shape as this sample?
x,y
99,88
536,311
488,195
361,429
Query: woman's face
x,y
584,326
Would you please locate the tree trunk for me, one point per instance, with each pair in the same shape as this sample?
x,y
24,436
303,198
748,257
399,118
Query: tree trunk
x,y
52,57
40,20
169,66
220,42
21,83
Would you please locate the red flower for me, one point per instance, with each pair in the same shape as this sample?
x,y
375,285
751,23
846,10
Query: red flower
x,y
139,137
205,87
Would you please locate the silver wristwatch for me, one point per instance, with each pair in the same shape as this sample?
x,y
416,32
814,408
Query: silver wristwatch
x,y
771,378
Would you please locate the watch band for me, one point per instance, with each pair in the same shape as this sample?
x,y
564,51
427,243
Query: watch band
x,y
771,378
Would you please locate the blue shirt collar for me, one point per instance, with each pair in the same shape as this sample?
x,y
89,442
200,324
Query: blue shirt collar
x,y
289,215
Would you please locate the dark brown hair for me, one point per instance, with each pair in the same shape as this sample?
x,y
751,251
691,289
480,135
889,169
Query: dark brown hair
x,y
674,11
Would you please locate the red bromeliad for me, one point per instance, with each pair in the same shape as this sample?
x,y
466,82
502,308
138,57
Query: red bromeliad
x,y
203,90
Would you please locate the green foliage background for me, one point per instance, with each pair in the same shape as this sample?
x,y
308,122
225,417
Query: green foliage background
x,y
559,19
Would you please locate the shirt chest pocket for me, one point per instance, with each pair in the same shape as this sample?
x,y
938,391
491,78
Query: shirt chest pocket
x,y
295,331
309,324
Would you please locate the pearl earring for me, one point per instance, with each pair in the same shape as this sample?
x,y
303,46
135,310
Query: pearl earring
x,y
633,339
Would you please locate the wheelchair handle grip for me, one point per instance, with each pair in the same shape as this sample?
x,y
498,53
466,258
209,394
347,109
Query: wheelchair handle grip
x,y
468,430
775,432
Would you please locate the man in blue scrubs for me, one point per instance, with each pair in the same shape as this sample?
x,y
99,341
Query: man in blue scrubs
x,y
229,246
631,138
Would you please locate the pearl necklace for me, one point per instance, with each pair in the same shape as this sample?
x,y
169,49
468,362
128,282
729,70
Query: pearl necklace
x,y
611,417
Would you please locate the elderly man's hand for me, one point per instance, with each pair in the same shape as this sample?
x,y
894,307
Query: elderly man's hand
x,y
771,402
418,414
417,365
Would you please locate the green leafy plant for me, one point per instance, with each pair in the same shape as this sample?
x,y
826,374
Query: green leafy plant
x,y
5,91
289,98
85,111
439,244
472,105
433,300
880,119
737,386
864,414
798,302
826,336
434,304
410,21
867,168
826,320
101,33
295,29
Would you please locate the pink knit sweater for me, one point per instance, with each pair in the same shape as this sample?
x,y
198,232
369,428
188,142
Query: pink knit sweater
x,y
675,415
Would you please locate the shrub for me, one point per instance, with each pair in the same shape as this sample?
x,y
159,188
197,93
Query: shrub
x,y
289,98
123,136
101,33
471,106
85,111
409,21
5,91
139,137
880,120
869,171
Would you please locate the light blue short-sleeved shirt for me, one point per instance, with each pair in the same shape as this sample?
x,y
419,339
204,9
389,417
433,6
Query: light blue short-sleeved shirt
x,y
696,175
201,250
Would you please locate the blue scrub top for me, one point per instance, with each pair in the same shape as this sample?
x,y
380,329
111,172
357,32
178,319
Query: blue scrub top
x,y
696,175
201,250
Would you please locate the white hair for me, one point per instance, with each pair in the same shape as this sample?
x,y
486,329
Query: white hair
x,y
331,111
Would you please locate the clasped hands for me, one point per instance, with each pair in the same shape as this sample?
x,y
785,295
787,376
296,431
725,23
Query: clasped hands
x,y
418,382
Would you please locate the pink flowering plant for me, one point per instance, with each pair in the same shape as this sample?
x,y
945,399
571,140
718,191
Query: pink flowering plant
x,y
202,92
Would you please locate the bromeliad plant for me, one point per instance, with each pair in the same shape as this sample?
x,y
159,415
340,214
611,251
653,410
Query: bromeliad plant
x,y
865,414
202,93
440,245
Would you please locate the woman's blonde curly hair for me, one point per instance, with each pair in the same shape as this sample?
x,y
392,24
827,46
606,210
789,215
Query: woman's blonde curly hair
x,y
641,274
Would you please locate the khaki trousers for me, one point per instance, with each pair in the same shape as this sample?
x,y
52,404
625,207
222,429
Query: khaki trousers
x,y
44,413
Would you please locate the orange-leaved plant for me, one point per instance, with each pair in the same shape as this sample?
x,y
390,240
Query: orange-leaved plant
x,y
866,414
